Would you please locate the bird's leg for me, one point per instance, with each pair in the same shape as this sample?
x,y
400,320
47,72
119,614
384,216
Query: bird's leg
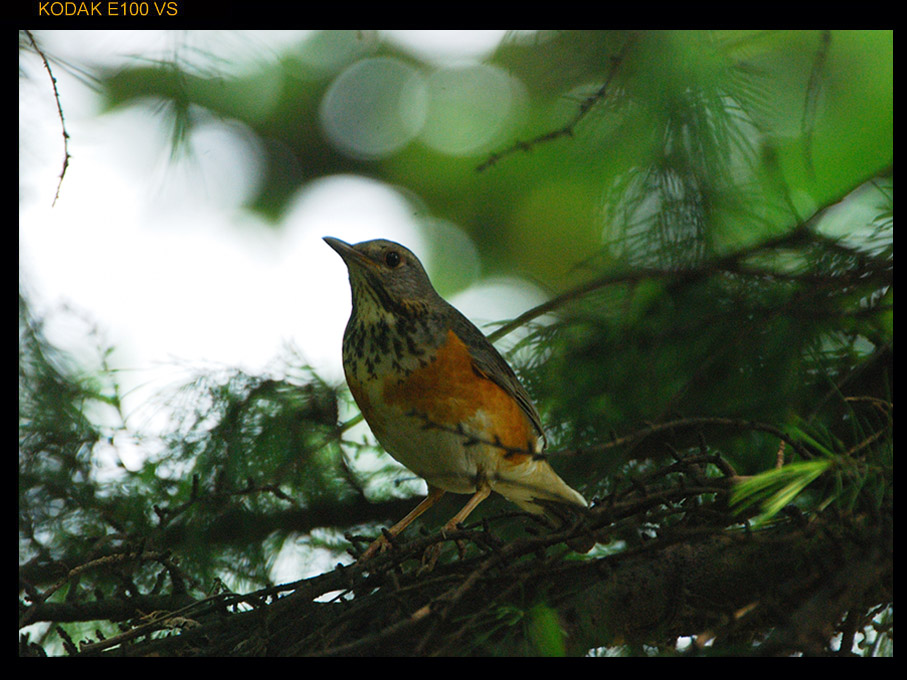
x,y
430,557
381,543
483,491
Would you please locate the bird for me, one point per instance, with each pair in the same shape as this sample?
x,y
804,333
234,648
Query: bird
x,y
438,396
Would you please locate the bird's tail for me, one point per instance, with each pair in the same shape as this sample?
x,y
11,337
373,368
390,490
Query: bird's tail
x,y
540,491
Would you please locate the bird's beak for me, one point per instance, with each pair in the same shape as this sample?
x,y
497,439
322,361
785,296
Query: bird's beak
x,y
349,254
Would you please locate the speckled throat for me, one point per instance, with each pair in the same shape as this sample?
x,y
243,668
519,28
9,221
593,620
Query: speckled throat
x,y
379,341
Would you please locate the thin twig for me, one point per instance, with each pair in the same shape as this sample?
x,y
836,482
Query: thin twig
x,y
53,81
740,423
567,130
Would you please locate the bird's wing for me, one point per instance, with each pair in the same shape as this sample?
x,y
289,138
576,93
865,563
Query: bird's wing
x,y
489,363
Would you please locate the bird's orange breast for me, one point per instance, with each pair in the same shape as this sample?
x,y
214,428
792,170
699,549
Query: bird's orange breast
x,y
448,392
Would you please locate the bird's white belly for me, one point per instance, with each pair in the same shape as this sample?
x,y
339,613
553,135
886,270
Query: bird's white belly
x,y
450,460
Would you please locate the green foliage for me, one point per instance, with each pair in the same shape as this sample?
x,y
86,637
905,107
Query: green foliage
x,y
248,449
773,490
243,451
60,504
757,336
543,630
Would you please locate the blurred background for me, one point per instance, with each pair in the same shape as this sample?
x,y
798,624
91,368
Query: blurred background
x,y
191,230
711,213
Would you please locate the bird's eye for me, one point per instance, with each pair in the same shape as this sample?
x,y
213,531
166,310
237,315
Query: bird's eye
x,y
392,258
